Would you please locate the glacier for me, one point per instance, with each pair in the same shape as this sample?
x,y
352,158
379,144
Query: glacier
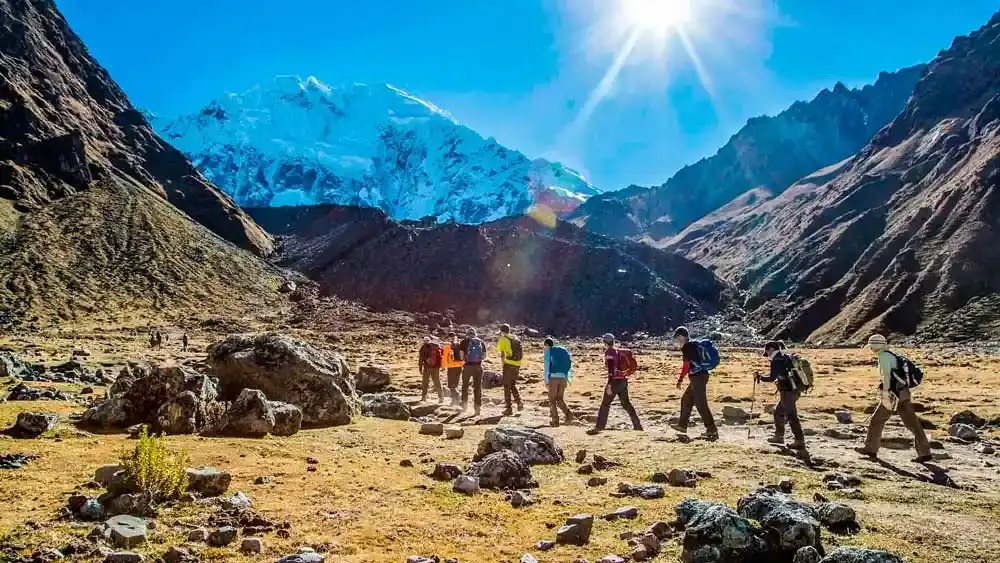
x,y
293,142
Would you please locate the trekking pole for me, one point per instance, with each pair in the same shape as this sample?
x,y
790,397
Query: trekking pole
x,y
753,401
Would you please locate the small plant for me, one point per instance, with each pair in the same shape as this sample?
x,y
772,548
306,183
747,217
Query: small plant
x,y
155,471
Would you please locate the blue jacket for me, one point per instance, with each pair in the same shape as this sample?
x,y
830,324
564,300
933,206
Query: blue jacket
x,y
558,363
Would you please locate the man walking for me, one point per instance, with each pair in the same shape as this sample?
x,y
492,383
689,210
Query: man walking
x,y
453,367
431,371
616,386
511,353
558,369
789,391
895,398
184,342
696,394
473,353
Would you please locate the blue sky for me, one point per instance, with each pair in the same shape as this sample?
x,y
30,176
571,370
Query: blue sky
x,y
523,70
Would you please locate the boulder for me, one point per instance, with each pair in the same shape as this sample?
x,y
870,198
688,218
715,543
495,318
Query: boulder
x,y
141,396
303,557
198,535
844,417
838,517
250,416
222,536
105,473
179,415
796,524
252,545
124,557
384,405
807,554
466,484
714,533
963,432
502,470
445,472
519,499
860,555
288,370
112,413
125,531
178,555
91,510
11,365
576,531
32,424
597,481
530,445
680,478
454,432
432,428
208,481
967,417
735,414
372,378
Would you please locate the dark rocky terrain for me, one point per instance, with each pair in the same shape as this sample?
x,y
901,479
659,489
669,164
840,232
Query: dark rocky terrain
x,y
768,153
562,280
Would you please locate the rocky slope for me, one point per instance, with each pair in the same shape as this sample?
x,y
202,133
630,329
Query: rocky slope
x,y
300,142
903,237
769,153
561,280
92,202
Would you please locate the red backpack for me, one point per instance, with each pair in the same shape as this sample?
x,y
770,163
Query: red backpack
x,y
627,365
434,358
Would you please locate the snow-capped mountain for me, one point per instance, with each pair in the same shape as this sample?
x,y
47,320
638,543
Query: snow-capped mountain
x,y
300,142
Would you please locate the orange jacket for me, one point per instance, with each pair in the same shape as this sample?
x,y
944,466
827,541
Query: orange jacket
x,y
449,358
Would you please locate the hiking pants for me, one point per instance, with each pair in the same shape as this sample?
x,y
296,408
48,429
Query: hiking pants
x,y
509,380
696,395
557,388
472,374
454,376
905,411
432,374
785,412
619,388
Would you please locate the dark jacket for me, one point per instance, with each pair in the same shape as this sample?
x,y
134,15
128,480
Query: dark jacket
x,y
781,372
425,353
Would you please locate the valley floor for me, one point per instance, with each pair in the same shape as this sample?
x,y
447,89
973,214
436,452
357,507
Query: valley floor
x,y
361,504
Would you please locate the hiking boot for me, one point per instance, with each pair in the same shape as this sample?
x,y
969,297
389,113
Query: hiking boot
x,y
797,445
638,429
507,412
554,424
678,428
776,440
865,452
594,431
709,436
923,459
477,412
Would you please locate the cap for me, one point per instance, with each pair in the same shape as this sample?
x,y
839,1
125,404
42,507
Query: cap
x,y
877,340
608,337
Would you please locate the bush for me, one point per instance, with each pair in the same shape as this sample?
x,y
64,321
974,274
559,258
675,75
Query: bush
x,y
155,471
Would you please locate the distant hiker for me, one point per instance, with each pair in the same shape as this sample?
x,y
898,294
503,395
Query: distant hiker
x,y
152,341
425,350
620,365
473,351
184,341
897,377
790,387
431,370
558,370
511,353
453,366
697,368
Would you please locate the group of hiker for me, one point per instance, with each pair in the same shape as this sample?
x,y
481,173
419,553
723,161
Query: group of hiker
x,y
157,339
791,373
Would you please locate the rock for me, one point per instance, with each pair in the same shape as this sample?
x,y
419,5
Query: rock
x,y
597,481
252,545
372,378
714,533
844,417
178,555
807,554
128,503
625,512
795,523
520,499
545,545
75,502
844,479
263,480
208,481
530,445
287,286
585,469
611,558
528,558
984,448
838,434
786,484
897,443
581,456
659,477
304,557
385,405
106,473
602,463
288,370
91,510
467,485
198,535
859,555
445,472
838,517
250,416
576,531
432,428
287,418
180,414
502,470
405,463
963,432
124,557
454,432
737,414
87,391
125,531
222,536
237,502
679,477
967,417
32,425
643,491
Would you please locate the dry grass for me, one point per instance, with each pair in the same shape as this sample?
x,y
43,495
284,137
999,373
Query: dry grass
x,y
361,505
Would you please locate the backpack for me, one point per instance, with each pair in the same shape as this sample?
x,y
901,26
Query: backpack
x,y
708,355
559,360
516,350
906,374
475,351
434,357
627,365
801,372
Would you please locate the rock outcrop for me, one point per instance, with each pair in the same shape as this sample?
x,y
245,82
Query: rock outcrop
x,y
533,447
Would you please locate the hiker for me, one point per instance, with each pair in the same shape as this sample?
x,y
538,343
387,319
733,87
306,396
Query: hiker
x,y
184,342
152,341
790,388
511,353
620,365
431,371
696,394
425,350
453,366
895,385
473,353
558,371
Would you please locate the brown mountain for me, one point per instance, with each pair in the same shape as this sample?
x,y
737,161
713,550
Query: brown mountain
x,y
768,153
96,211
559,279
903,237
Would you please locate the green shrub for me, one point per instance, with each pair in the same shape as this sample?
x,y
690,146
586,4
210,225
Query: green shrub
x,y
157,472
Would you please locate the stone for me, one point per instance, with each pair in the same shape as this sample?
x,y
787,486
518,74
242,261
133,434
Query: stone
x,y
128,503
838,434
237,502
287,418
208,481
714,533
611,558
519,499
659,477
454,433
432,428
679,477
180,414
252,545
838,517
786,484
967,417
125,531
585,469
303,557
502,470
807,554
581,456
530,445
528,558
545,545
178,555
263,480
385,405
106,473
250,416
963,432
288,370
796,524
222,537
76,502
467,485
445,472
897,443
124,557
576,531
984,448
372,378
844,417
198,535
32,424
735,413
860,555
597,481
660,529
626,512
91,510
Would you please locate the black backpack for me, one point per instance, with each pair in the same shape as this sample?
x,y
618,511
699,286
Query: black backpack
x,y
906,374
516,351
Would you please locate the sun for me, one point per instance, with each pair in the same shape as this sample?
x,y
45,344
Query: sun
x,y
659,17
